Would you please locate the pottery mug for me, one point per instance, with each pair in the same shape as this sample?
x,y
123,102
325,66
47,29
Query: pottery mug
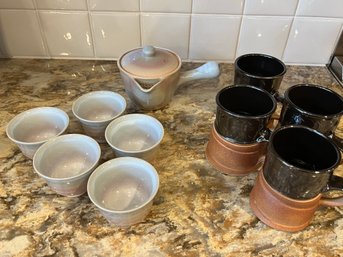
x,y
260,70
313,106
298,169
236,145
243,113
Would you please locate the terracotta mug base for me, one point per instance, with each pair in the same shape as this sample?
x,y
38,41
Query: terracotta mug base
x,y
278,211
234,159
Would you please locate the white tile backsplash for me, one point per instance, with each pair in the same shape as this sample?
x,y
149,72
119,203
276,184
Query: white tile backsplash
x,y
297,31
166,30
16,4
264,34
312,40
214,37
218,6
321,8
67,33
20,34
114,5
115,33
175,6
271,7
62,4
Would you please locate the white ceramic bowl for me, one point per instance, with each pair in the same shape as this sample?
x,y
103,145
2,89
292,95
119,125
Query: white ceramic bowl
x,y
135,135
96,110
66,162
123,189
32,128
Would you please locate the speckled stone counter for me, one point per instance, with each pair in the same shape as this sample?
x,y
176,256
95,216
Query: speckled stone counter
x,y
197,211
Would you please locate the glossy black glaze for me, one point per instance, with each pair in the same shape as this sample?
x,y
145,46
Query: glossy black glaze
x,y
300,162
312,106
243,113
260,70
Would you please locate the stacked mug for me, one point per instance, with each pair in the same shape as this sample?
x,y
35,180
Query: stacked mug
x,y
297,159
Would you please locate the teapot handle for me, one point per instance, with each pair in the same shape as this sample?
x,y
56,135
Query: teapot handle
x,y
205,71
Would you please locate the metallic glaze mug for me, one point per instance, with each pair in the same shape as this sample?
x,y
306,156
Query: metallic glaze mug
x,y
313,106
243,113
260,70
300,162
298,168
237,141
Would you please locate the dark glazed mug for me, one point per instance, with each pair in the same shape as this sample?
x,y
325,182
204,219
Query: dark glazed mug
x,y
260,70
300,162
243,113
312,106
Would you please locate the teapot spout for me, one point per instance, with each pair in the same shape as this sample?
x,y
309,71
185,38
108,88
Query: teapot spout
x,y
205,71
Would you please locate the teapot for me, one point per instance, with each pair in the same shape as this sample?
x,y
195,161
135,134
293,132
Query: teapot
x,y
151,75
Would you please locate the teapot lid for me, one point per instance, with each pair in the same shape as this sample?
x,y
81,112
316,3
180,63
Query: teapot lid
x,y
150,62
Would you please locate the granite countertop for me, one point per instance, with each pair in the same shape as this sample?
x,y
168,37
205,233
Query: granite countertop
x,y
197,211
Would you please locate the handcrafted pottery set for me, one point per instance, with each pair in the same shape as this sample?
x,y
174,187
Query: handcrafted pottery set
x,y
296,160
122,188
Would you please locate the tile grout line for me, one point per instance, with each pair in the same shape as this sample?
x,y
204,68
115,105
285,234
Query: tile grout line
x,y
336,41
91,29
190,29
239,32
40,24
289,32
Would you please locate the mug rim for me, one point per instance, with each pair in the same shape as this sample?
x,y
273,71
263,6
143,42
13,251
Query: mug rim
x,y
265,56
301,110
243,116
321,171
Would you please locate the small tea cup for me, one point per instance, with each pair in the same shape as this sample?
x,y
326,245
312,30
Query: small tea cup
x,y
66,162
123,190
135,135
96,110
32,128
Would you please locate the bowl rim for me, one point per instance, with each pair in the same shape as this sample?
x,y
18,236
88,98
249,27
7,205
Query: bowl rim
x,y
51,142
118,97
134,116
115,163
35,110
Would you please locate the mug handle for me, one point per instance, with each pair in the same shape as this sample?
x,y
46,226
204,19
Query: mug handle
x,y
279,98
264,135
335,183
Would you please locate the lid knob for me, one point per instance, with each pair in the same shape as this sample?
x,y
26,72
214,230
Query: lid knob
x,y
148,51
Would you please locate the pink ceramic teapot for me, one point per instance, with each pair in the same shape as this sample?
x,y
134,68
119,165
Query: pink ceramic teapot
x,y
152,74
